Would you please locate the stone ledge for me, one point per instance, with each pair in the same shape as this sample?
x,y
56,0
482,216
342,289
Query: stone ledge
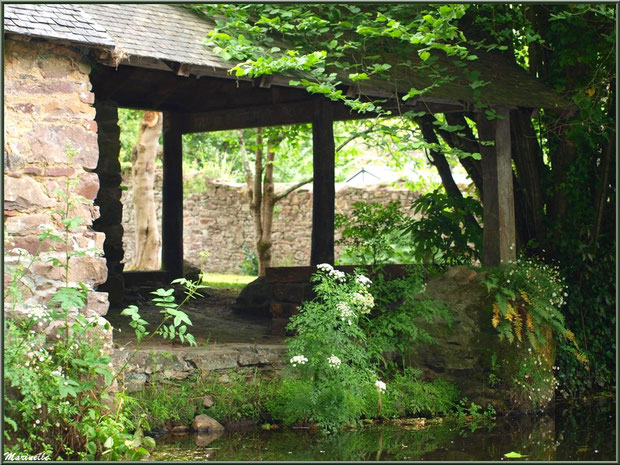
x,y
176,363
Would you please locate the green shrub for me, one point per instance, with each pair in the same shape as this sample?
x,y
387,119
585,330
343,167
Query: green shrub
x,y
373,234
339,344
408,396
442,235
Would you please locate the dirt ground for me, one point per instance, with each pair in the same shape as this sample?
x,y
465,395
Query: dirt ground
x,y
212,316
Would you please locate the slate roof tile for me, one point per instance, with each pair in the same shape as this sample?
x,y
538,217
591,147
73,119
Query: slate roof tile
x,y
55,21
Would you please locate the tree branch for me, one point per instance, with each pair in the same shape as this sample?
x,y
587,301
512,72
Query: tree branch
x,y
294,187
443,168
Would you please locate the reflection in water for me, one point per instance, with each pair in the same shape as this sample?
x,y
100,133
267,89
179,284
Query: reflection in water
x,y
585,432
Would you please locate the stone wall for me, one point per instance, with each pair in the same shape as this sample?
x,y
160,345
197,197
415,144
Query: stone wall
x,y
48,107
218,221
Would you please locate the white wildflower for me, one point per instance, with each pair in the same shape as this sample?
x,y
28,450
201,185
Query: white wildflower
x,y
380,385
364,301
325,267
334,361
298,359
338,275
346,313
19,251
363,280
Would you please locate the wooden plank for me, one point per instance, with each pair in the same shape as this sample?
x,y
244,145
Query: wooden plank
x,y
505,190
324,184
172,198
490,218
499,232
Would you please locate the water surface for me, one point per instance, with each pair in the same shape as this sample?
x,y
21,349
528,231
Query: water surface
x,y
569,433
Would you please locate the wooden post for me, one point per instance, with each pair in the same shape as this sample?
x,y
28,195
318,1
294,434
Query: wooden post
x,y
324,187
499,233
172,198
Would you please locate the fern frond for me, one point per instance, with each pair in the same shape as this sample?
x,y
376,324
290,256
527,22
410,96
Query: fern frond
x,y
528,321
525,297
518,323
495,319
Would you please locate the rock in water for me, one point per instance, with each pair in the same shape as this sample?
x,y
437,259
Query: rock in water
x,y
205,423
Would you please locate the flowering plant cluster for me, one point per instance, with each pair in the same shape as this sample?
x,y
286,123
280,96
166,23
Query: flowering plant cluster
x,y
528,296
328,354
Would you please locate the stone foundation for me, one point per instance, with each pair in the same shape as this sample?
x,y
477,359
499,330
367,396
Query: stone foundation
x,y
181,362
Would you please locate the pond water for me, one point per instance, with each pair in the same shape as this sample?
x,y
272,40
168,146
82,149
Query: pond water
x,y
569,433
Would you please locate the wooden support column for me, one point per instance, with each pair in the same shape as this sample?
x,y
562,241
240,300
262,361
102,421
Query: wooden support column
x,y
172,198
499,233
324,187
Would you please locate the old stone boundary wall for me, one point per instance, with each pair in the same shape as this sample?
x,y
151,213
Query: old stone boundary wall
x,y
218,221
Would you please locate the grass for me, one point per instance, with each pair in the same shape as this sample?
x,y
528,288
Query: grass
x,y
227,281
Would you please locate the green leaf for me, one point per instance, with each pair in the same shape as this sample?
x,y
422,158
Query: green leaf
x,y
514,455
109,443
10,422
425,55
130,310
149,442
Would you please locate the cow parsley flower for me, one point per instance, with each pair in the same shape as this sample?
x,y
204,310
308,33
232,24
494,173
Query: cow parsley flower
x,y
326,267
338,275
363,280
346,313
298,359
380,385
334,361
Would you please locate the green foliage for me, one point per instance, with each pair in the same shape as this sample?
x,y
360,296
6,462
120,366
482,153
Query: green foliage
x,y
249,265
442,235
340,340
242,397
129,123
323,42
535,380
373,234
393,325
408,396
57,393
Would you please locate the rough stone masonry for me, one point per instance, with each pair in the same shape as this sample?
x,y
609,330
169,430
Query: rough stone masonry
x,y
48,108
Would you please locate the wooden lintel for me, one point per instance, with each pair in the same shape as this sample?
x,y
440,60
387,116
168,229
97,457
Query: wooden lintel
x,y
261,116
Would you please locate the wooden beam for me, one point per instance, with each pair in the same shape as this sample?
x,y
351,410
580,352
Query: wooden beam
x,y
324,184
506,199
499,233
172,198
276,114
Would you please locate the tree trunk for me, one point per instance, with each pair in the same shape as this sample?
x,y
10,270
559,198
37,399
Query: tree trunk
x,y
261,196
147,237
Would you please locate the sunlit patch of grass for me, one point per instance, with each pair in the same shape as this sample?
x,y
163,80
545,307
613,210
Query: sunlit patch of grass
x,y
227,281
